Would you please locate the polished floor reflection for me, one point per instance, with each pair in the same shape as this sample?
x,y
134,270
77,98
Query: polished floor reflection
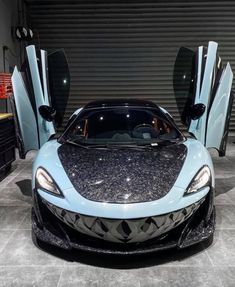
x,y
23,264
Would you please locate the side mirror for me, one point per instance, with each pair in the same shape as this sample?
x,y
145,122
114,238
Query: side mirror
x,y
196,111
48,113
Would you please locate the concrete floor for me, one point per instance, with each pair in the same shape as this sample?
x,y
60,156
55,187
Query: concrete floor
x,y
23,264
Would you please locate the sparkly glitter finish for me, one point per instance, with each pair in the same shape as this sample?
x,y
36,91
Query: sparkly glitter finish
x,y
123,175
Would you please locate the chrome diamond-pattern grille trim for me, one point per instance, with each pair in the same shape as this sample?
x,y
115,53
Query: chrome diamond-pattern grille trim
x,y
123,230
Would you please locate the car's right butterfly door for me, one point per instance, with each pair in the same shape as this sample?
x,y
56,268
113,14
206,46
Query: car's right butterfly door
x,y
205,84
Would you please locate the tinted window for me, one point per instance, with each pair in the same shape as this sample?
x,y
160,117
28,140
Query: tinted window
x,y
184,82
121,125
59,82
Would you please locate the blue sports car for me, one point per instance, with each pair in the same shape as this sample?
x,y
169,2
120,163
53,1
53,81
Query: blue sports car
x,y
122,178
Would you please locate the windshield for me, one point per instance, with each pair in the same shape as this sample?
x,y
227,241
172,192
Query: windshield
x,y
121,126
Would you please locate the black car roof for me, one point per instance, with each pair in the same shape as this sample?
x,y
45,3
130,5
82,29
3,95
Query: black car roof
x,y
120,102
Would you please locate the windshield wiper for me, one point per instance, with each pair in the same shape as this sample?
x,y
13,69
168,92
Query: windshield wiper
x,y
127,145
159,142
86,146
77,144
110,145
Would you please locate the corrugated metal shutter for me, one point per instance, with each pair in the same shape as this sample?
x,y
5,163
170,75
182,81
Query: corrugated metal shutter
x,y
128,48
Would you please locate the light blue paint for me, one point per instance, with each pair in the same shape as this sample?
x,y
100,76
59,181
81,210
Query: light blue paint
x,y
46,129
203,93
219,110
197,157
45,77
25,113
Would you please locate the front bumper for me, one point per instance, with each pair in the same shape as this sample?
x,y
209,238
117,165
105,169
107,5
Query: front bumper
x,y
69,230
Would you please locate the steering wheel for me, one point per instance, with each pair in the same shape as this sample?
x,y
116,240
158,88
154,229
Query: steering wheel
x,y
142,126
144,130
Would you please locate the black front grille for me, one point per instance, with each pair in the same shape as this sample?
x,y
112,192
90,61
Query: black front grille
x,y
123,230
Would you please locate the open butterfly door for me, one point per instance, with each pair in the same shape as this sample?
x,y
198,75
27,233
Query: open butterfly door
x,y
31,89
203,91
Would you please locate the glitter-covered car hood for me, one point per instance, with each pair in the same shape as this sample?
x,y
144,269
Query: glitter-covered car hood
x,y
122,175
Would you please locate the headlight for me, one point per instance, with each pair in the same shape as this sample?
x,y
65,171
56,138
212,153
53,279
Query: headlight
x,y
44,181
202,179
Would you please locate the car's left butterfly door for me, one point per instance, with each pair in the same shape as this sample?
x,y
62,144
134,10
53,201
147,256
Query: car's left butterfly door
x,y
41,82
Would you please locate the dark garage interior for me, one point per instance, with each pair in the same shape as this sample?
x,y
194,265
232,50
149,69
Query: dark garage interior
x,y
116,51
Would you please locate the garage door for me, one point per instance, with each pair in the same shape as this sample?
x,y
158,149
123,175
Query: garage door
x,y
128,48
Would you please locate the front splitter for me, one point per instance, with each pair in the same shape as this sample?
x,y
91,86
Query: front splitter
x,y
197,228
